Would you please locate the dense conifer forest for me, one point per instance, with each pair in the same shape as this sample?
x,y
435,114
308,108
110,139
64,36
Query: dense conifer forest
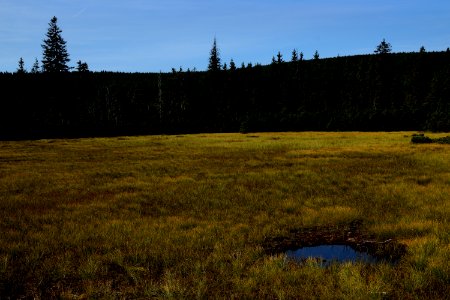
x,y
401,91
384,91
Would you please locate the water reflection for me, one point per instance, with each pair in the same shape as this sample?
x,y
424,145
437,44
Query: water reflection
x,y
328,254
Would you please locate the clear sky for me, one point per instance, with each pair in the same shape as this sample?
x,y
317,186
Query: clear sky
x,y
154,35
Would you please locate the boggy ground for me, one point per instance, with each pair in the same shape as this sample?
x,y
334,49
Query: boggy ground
x,y
189,216
351,234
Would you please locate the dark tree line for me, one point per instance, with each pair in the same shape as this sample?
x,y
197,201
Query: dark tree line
x,y
402,91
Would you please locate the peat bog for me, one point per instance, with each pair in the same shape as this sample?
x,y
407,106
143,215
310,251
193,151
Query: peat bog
x,y
212,216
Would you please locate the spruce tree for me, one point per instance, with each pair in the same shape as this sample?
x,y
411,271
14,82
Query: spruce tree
x,y
35,68
232,65
82,67
214,58
279,58
21,67
294,55
274,61
383,48
316,55
55,55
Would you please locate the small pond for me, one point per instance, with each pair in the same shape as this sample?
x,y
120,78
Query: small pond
x,y
328,254
340,243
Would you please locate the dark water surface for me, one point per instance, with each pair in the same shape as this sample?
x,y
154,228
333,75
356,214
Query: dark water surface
x,y
328,254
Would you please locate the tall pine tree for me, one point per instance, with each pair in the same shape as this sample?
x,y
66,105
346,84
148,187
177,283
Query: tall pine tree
x,y
55,55
214,58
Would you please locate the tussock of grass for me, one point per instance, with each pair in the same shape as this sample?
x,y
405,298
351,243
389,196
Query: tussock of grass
x,y
185,217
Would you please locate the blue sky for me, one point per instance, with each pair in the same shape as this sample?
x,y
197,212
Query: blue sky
x,y
154,35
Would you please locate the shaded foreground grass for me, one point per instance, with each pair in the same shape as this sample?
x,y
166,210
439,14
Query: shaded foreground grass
x,y
185,216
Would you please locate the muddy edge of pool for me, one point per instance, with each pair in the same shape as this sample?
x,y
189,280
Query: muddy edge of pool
x,y
351,234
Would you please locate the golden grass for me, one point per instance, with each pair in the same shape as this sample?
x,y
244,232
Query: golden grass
x,y
185,216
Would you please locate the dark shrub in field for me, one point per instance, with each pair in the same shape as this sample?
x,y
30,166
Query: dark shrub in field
x,y
420,139
443,140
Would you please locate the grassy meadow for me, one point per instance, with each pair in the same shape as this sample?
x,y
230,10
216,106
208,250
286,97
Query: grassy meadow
x,y
186,216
